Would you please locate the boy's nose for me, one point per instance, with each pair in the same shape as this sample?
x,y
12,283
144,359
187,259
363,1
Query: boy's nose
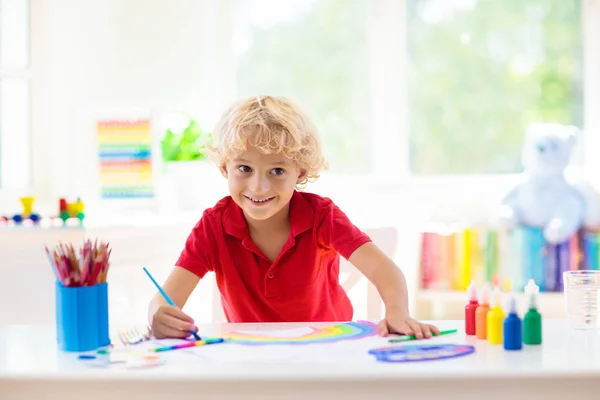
x,y
259,184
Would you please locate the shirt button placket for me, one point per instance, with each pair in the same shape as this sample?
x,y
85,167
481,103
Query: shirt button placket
x,y
270,289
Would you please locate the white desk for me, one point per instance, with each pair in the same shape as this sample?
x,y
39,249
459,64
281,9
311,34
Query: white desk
x,y
566,366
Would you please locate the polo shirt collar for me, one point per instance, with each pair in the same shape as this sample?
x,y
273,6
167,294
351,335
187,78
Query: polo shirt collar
x,y
301,217
301,214
234,222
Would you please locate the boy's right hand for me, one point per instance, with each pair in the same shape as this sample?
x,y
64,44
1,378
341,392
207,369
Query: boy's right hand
x,y
171,322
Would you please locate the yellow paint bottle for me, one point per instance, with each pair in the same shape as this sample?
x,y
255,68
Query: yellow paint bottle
x,y
495,319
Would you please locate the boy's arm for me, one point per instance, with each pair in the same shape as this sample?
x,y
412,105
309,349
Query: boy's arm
x,y
336,231
384,274
179,286
193,263
391,285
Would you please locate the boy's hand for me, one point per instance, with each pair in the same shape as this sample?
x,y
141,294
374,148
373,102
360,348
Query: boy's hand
x,y
403,324
171,322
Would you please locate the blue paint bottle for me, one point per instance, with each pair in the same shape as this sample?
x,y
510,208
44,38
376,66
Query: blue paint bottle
x,y
513,328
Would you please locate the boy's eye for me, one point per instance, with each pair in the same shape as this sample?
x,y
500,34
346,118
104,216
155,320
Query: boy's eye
x,y
277,171
244,168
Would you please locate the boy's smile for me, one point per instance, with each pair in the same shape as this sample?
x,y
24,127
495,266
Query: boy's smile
x,y
262,184
259,202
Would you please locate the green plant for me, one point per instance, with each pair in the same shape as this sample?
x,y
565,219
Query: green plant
x,y
189,145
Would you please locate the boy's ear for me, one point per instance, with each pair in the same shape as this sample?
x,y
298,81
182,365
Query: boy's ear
x,y
302,176
223,170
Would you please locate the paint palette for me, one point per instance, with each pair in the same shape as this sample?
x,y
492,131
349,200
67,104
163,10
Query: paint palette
x,y
127,359
419,352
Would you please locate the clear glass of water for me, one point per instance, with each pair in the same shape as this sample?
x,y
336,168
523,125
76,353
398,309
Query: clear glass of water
x,y
582,298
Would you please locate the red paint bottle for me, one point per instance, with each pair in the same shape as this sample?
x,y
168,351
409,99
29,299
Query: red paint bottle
x,y
470,309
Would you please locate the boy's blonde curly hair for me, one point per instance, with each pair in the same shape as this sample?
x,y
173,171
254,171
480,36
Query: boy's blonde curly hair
x,y
273,125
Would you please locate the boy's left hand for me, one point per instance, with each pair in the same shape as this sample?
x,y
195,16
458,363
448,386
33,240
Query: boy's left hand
x,y
403,324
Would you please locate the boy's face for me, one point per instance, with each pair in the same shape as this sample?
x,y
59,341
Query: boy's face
x,y
262,184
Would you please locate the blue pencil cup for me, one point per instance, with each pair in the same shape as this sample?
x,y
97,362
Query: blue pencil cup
x,y
102,313
81,317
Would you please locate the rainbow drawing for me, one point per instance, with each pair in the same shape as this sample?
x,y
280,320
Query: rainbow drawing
x,y
343,331
125,156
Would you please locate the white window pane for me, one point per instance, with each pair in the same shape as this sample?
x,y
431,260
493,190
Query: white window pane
x,y
481,72
314,52
14,133
14,36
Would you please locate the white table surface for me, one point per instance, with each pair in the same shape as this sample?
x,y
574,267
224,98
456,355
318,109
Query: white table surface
x,y
566,364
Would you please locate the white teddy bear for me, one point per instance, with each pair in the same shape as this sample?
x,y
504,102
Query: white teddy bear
x,y
547,196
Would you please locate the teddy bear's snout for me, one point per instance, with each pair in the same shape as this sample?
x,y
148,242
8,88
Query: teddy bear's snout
x,y
541,148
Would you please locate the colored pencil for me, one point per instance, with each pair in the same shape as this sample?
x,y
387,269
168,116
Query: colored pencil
x,y
188,344
413,337
167,298
87,269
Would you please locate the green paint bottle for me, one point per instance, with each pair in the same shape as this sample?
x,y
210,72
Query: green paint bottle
x,y
532,322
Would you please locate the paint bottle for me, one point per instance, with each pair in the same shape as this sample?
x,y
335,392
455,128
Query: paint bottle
x,y
470,309
495,318
532,322
482,311
513,327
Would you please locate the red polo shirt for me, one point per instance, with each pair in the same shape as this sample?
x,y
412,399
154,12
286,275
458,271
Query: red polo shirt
x,y
302,284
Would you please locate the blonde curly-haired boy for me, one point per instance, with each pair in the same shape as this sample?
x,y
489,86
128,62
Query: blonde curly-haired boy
x,y
273,248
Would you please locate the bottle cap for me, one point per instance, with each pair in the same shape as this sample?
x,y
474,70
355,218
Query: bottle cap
x,y
532,290
484,297
512,304
472,291
497,297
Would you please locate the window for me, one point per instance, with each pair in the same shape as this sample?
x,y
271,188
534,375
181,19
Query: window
x,y
481,71
417,87
15,126
315,52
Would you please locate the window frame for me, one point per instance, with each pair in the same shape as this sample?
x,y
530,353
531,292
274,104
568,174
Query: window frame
x,y
25,74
